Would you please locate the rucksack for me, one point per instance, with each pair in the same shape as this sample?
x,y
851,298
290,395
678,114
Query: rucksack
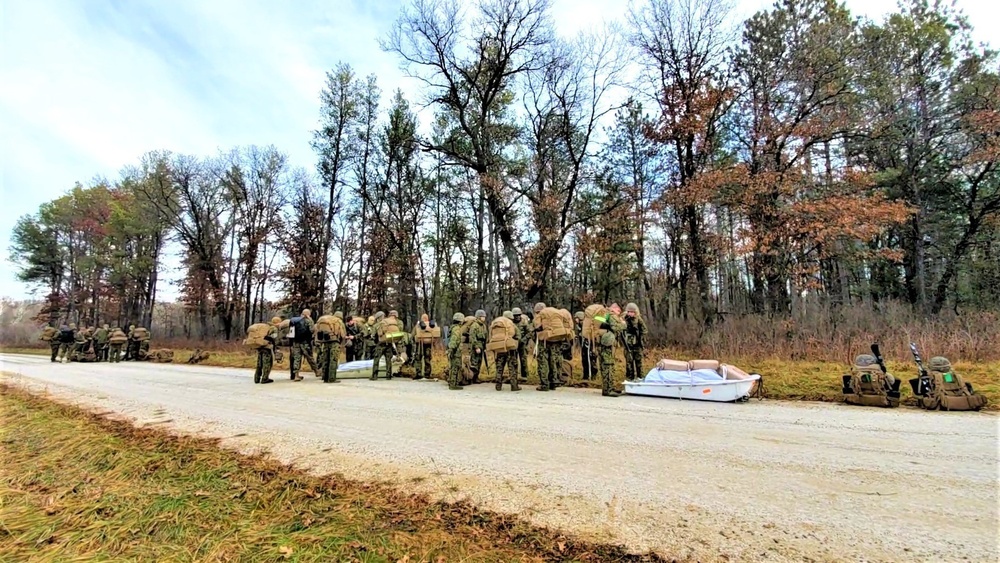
x,y
140,334
868,386
390,331
299,331
66,336
466,327
118,337
428,335
502,337
48,333
949,392
593,317
256,335
330,329
553,326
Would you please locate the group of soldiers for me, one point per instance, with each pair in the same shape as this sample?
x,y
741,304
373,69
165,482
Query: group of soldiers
x,y
96,344
384,339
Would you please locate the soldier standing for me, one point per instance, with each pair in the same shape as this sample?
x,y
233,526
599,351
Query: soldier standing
x,y
455,352
265,355
101,336
505,362
353,344
369,333
380,349
588,351
477,344
302,337
612,328
524,333
329,349
118,338
635,340
67,339
80,344
132,346
422,359
50,334
546,356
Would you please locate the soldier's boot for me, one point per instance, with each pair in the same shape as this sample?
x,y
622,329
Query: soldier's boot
x,y
611,393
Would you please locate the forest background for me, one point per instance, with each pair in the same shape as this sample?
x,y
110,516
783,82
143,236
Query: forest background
x,y
795,185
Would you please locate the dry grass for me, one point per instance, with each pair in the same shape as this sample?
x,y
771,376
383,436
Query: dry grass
x,y
809,380
76,487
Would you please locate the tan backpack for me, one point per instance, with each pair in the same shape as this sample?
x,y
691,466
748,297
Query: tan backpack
x,y
568,324
552,325
48,333
140,334
503,335
428,335
593,317
868,386
330,329
255,336
118,337
950,393
390,331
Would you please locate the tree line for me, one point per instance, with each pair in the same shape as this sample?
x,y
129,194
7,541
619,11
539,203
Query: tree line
x,y
704,168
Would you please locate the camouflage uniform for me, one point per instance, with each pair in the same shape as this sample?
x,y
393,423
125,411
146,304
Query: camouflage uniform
x,y
606,352
116,348
477,344
329,356
52,333
588,351
265,356
101,343
142,347
524,334
505,361
547,356
80,344
635,340
354,347
454,351
67,341
303,349
422,351
369,332
382,350
132,346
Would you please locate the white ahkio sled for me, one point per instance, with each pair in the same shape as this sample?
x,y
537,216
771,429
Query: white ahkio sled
x,y
697,380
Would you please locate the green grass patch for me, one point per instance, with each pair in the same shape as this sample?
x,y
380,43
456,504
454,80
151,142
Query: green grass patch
x,y
75,487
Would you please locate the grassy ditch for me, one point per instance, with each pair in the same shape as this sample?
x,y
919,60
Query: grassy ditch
x,y
784,379
75,486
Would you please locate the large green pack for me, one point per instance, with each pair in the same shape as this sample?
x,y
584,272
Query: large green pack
x,y
949,392
866,385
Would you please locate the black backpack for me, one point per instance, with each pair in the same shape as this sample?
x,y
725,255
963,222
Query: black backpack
x,y
302,332
66,336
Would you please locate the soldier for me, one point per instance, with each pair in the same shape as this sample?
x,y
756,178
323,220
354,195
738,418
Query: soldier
x,y
142,337
422,350
118,338
546,356
101,336
329,350
505,362
635,341
369,333
455,352
132,346
67,340
380,349
79,344
265,355
50,334
353,342
606,349
302,344
524,334
477,344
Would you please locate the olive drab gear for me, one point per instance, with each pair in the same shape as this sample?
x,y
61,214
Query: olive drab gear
x,y
503,335
551,325
390,330
632,308
161,356
118,336
866,384
141,334
330,328
508,315
948,390
516,311
426,331
593,317
48,334
256,335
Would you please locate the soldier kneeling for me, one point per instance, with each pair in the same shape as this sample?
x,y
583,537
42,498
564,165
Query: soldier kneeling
x,y
867,385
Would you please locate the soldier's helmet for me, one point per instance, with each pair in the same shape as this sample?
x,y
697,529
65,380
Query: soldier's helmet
x,y
371,319
632,308
578,316
509,315
516,311
539,306
379,316
941,364
458,317
339,315
72,326
393,313
276,320
864,360
306,313
481,313
105,327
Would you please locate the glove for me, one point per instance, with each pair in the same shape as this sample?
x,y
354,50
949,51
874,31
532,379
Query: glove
x,y
605,326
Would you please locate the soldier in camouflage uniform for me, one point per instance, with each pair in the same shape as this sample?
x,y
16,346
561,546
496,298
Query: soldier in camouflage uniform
x,y
265,356
455,352
422,351
547,356
477,344
116,347
524,333
303,348
132,346
50,334
354,343
635,341
67,341
80,344
101,336
370,338
382,350
505,362
606,350
588,351
329,354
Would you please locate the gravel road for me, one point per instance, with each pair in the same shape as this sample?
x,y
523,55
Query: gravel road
x,y
762,481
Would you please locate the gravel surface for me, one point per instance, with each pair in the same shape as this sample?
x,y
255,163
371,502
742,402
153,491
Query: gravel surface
x,y
762,481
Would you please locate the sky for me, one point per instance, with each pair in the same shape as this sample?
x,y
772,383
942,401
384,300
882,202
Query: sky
x,y
88,86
